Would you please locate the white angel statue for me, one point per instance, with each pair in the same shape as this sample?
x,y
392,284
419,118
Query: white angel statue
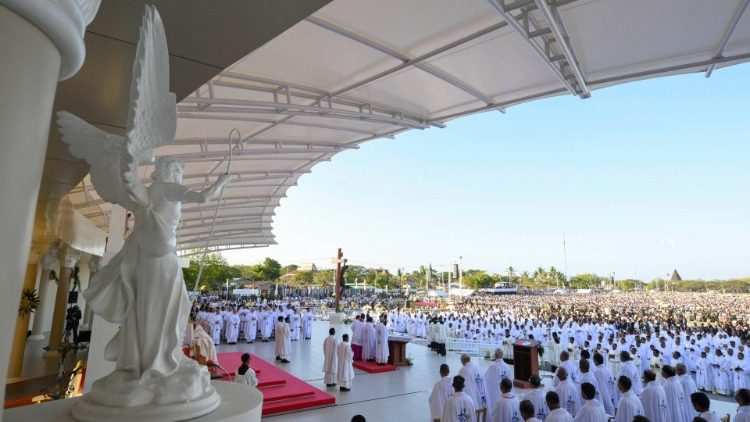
x,y
142,287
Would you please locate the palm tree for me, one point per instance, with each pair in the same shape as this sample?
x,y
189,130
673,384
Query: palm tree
x,y
511,271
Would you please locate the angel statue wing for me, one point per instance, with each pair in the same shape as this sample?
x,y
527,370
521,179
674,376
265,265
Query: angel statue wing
x,y
152,122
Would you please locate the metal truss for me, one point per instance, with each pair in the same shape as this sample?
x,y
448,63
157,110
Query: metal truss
x,y
188,252
277,143
549,41
727,35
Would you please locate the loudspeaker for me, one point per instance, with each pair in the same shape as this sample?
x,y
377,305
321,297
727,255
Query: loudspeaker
x,y
73,297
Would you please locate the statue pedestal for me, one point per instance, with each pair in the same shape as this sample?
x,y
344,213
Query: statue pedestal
x,y
239,403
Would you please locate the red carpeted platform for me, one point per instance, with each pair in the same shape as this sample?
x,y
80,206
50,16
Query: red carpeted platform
x,y
372,367
281,391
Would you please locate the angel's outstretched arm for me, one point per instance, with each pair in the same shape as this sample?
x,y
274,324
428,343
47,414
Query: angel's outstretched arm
x,y
208,194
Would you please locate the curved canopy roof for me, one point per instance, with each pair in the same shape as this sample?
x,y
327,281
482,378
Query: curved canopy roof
x,y
361,70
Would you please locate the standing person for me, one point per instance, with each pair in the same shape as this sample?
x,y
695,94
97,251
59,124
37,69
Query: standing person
x,y
606,384
233,327
629,405
586,376
441,392
688,387
307,320
475,386
567,392
246,374
526,408
505,408
295,324
278,339
251,326
653,398
676,400
556,413
369,341
592,410
702,405
536,396
460,407
266,324
497,372
381,343
629,370
286,340
216,325
330,358
345,370
743,400
358,330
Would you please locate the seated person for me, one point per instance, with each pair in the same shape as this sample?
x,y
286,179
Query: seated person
x,y
204,342
246,374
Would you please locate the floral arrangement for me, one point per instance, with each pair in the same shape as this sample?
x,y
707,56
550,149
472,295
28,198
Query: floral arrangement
x,y
348,321
409,361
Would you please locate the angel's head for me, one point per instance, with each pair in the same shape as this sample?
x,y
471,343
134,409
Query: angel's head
x,y
168,169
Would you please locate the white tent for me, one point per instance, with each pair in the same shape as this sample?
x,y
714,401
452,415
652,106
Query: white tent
x,y
359,70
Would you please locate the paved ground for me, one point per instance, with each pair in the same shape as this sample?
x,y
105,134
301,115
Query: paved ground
x,y
400,394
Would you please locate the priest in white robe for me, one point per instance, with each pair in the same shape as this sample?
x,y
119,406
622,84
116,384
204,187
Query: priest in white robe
x,y
536,395
688,387
203,342
592,410
330,358
369,341
676,399
528,413
250,326
345,358
570,398
441,392
606,384
286,340
505,408
556,412
586,376
743,400
702,405
245,374
460,407
629,370
278,339
381,343
494,375
654,399
629,405
475,386
233,327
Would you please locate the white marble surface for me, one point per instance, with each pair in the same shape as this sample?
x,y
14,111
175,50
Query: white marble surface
x,y
238,404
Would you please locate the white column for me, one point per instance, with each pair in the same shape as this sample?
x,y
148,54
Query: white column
x,y
40,42
48,262
103,330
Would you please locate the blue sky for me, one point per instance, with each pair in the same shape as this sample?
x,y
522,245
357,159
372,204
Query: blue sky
x,y
641,178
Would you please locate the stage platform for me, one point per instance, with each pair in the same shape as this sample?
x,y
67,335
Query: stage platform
x,y
281,391
373,367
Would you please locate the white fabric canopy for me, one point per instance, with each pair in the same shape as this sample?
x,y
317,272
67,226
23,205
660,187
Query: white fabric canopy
x,y
367,69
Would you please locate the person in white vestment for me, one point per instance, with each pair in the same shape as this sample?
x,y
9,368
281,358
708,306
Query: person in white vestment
x,y
492,377
369,341
526,408
358,332
505,408
441,392
381,343
567,391
307,320
233,327
286,340
743,400
217,322
653,398
245,374
475,386
740,372
676,399
278,327
556,413
688,387
204,342
250,329
592,409
536,396
629,370
570,368
345,358
586,376
330,358
460,407
629,405
702,405
606,384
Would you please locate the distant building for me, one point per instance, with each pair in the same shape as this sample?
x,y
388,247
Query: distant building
x,y
676,276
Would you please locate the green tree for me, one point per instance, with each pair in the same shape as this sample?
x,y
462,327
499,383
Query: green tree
x,y
269,270
289,269
586,281
477,279
303,278
216,271
324,278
